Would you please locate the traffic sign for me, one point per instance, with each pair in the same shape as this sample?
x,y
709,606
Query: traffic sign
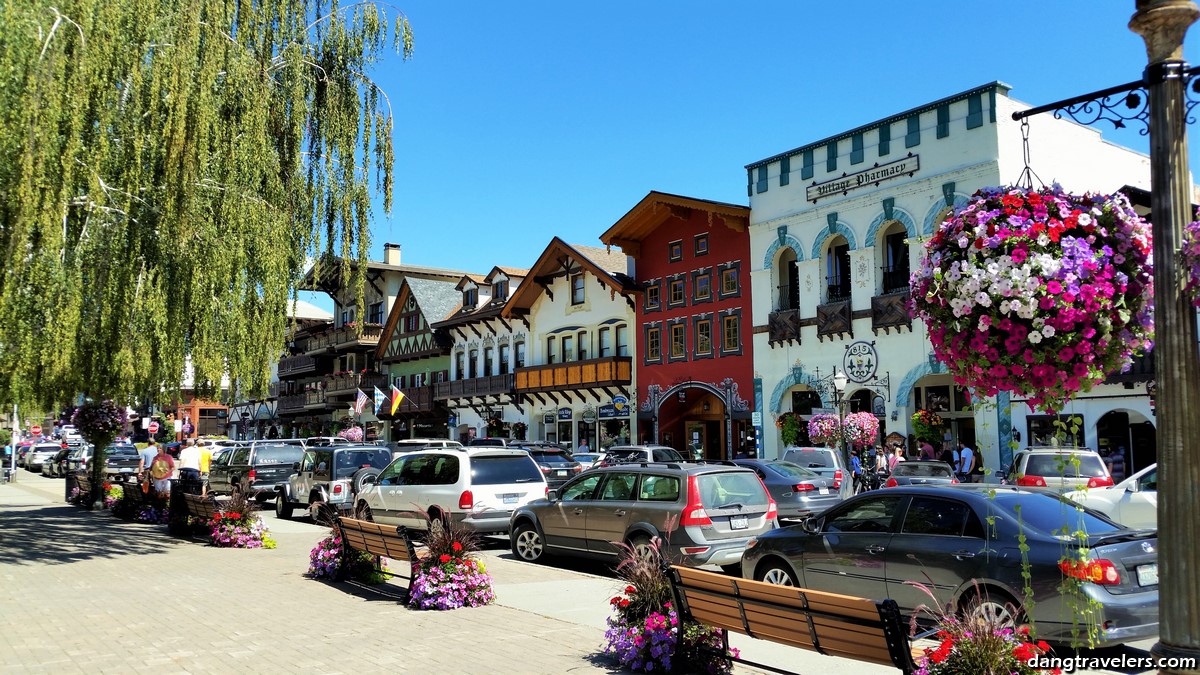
x,y
153,428
36,430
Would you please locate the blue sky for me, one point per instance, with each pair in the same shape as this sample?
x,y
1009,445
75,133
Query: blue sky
x,y
516,122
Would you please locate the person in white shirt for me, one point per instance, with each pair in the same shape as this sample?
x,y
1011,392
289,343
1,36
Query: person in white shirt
x,y
966,458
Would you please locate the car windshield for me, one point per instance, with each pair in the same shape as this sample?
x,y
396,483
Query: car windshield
x,y
922,470
277,454
733,489
790,470
1051,514
504,470
551,457
1066,465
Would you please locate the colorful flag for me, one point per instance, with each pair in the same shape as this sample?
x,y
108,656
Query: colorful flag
x,y
361,402
379,396
397,397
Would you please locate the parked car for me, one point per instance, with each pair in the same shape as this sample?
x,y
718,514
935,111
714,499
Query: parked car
x,y
257,468
965,543
825,461
798,492
121,462
478,487
56,466
40,453
1061,469
921,472
715,510
330,476
624,454
1133,502
403,445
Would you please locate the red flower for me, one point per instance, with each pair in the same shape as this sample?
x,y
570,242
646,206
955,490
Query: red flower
x,y
445,558
456,546
630,589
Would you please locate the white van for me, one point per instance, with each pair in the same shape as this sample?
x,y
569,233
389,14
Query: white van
x,y
479,487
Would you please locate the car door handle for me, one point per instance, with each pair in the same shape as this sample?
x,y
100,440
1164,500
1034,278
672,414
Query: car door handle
x,y
963,555
619,512
873,549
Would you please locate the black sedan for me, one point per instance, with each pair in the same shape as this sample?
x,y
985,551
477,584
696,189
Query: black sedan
x,y
798,491
963,542
921,472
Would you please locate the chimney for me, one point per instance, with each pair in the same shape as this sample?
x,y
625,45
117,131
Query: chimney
x,y
391,254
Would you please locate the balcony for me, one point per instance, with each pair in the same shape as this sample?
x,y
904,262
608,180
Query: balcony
x,y
890,311
417,400
349,383
295,365
783,326
833,319
614,371
292,402
494,385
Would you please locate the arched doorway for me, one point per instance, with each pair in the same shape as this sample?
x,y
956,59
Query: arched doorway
x,y
1128,431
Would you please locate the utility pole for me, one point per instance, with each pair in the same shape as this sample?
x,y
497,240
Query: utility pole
x,y
1163,24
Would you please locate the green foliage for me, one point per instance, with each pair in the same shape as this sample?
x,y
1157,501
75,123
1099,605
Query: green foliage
x,y
166,169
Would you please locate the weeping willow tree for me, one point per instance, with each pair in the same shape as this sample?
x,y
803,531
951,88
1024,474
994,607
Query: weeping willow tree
x,y
166,169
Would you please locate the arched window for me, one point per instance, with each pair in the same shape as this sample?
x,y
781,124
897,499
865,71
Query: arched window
x,y
837,270
895,259
787,281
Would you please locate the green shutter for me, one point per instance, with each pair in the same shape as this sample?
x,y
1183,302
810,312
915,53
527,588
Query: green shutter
x,y
806,169
856,149
913,137
785,169
885,139
762,179
943,123
974,111
831,156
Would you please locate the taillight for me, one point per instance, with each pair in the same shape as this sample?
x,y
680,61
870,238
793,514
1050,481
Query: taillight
x,y
466,500
803,487
837,478
1032,481
1101,571
250,476
891,482
1100,482
693,513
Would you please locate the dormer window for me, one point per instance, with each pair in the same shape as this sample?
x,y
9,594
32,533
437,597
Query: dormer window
x,y
500,290
470,297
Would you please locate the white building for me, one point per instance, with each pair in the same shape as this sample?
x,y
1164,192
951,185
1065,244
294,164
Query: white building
x,y
836,226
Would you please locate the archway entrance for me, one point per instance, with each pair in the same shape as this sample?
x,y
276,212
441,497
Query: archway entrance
x,y
1130,432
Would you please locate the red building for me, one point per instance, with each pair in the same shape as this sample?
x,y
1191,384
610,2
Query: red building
x,y
694,361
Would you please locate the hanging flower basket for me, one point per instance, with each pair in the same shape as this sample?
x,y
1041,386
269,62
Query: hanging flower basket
x,y
1037,292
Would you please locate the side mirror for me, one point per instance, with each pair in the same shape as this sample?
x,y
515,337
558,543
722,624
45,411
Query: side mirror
x,y
811,525
552,495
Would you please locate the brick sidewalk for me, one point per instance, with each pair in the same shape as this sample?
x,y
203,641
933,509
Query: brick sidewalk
x,y
83,592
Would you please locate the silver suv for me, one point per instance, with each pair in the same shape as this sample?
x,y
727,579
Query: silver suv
x,y
705,514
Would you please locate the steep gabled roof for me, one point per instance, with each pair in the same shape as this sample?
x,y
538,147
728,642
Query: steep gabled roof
x,y
657,208
560,257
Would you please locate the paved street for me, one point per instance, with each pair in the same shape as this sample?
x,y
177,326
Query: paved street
x,y
84,592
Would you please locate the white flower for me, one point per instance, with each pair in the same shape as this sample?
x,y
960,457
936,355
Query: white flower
x,y
1035,337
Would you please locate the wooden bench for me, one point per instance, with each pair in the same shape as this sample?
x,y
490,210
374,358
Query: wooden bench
x,y
381,540
828,623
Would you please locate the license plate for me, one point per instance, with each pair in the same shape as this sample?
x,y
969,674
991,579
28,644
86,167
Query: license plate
x,y
1148,574
509,499
562,473
738,523
823,491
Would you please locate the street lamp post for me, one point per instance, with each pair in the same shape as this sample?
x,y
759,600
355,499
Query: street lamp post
x,y
839,390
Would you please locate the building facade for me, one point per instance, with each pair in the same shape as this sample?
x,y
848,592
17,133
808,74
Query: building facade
x,y
838,224
695,368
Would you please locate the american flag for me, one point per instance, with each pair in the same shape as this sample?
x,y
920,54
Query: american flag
x,y
361,402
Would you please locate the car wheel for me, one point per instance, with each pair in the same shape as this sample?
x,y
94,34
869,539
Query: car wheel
x,y
734,570
995,609
283,508
642,548
363,512
527,543
778,574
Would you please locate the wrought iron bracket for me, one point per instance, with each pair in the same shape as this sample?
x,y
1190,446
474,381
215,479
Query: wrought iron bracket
x,y
1124,103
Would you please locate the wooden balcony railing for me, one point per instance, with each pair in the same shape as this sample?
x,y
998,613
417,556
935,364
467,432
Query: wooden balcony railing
x,y
783,326
292,402
494,385
350,382
834,319
292,365
890,311
610,371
